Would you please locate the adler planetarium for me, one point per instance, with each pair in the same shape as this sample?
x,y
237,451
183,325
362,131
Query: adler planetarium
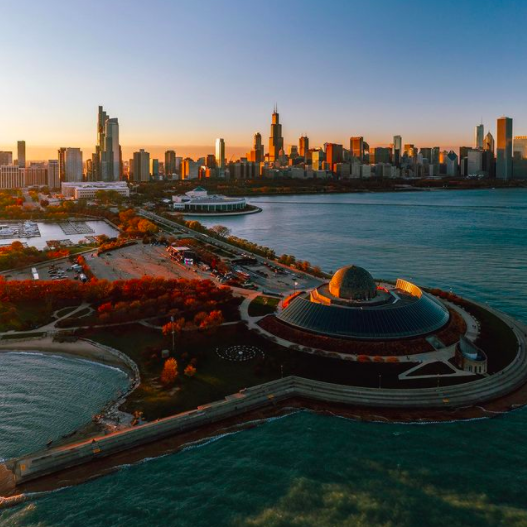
x,y
352,305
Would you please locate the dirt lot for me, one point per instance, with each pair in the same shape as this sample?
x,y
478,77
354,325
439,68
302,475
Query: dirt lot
x,y
137,261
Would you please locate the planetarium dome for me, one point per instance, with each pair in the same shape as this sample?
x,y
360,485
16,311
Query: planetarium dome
x,y
353,283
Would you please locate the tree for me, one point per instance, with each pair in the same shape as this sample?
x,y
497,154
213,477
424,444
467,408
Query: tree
x,y
170,372
175,326
190,371
212,320
221,231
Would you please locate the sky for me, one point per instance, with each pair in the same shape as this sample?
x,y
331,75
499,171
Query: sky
x,y
180,73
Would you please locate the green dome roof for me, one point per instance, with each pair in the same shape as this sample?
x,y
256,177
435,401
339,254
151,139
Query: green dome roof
x,y
353,283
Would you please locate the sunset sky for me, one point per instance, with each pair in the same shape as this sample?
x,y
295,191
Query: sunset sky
x,y
179,74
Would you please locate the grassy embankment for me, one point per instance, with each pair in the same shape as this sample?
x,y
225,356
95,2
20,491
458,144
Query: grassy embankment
x,y
263,305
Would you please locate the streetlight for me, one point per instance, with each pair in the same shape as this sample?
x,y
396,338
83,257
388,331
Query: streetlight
x,y
296,283
172,325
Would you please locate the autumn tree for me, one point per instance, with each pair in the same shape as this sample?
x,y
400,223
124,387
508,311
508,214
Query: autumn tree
x,y
176,327
210,321
190,371
221,230
170,372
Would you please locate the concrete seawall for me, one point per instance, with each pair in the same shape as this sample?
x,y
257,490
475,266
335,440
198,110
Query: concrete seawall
x,y
46,462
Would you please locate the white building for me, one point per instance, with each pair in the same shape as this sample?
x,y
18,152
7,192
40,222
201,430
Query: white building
x,y
365,171
198,200
11,177
89,189
451,163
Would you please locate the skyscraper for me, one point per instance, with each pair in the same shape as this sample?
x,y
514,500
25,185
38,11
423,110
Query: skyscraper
x,y
357,148
334,154
519,165
397,149
108,160
520,146
220,155
21,154
154,168
258,148
141,167
504,154
53,174
276,141
170,163
6,158
303,143
478,136
488,143
70,164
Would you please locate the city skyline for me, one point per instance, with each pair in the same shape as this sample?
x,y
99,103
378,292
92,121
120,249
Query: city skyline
x,y
41,153
355,74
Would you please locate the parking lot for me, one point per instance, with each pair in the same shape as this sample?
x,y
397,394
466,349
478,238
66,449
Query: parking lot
x,y
139,260
60,270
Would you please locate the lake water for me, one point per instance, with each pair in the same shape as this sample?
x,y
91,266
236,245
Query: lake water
x,y
52,231
473,242
43,397
308,470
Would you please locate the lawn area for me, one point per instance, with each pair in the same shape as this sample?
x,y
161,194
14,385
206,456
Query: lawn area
x,y
215,377
29,315
263,305
496,339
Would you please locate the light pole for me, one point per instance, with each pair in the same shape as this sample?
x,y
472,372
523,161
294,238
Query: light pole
x,y
295,283
172,326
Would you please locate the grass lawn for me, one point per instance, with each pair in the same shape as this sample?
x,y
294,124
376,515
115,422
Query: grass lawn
x,y
263,305
29,315
215,377
65,310
496,339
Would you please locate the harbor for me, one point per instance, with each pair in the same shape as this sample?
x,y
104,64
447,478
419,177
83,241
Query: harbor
x,y
25,229
38,234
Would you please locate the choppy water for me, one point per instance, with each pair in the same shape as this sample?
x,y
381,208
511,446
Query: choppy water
x,y
43,397
307,470
473,241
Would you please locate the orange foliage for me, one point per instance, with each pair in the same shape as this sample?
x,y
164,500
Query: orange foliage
x,y
170,372
190,371
363,358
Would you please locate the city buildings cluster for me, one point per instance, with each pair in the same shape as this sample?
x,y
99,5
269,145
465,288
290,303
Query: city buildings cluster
x,y
505,159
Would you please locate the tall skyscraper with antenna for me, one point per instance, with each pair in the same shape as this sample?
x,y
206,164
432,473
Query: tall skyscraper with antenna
x,y
276,141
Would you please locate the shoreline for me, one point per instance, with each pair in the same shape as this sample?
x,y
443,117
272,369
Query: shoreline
x,y
387,190
276,402
176,443
111,417
256,210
